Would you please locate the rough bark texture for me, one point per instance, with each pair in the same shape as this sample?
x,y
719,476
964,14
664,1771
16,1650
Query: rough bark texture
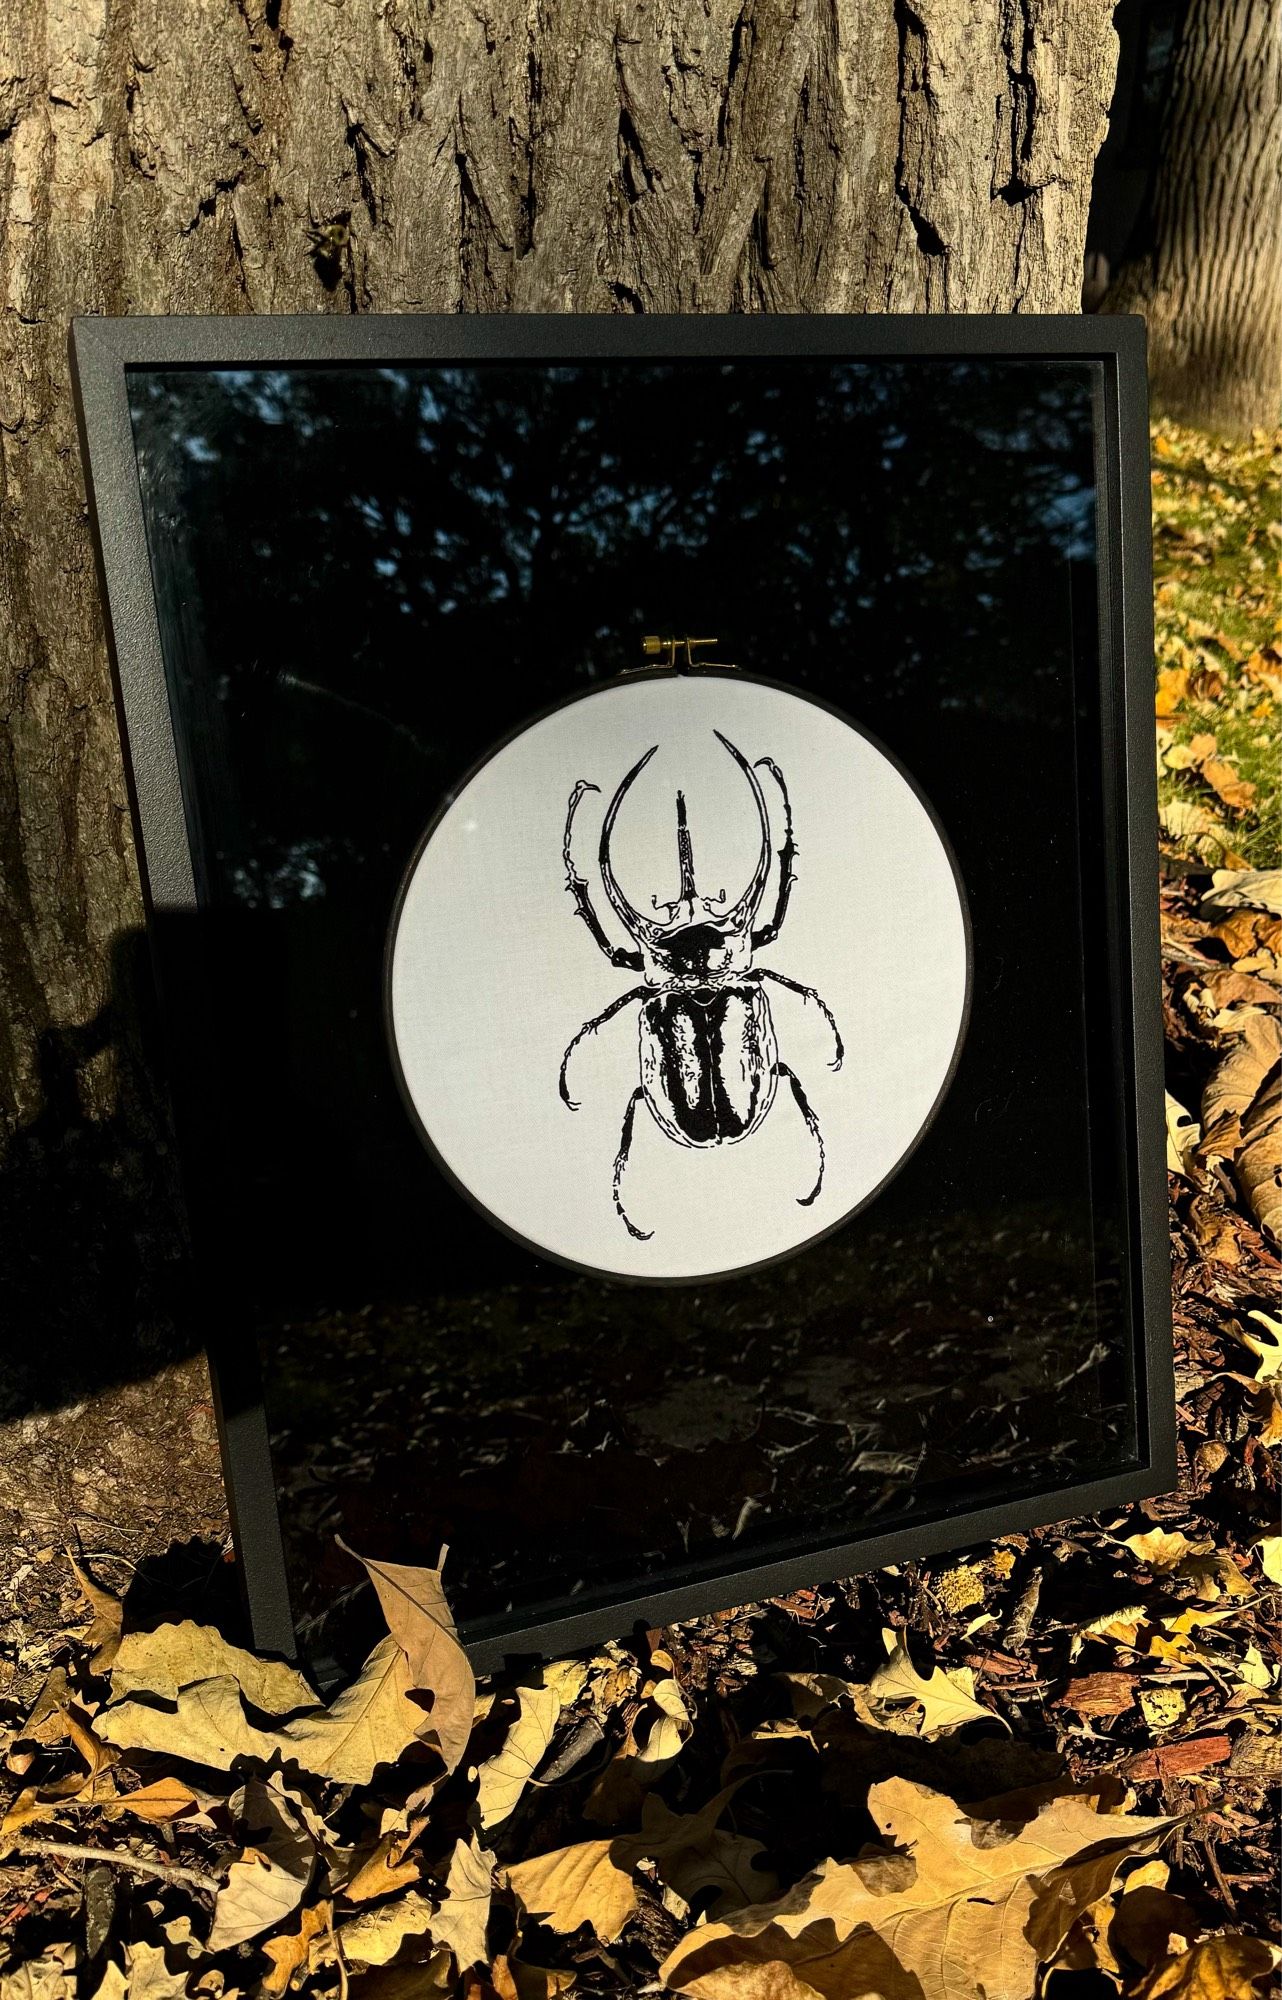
x,y
1207,273
391,155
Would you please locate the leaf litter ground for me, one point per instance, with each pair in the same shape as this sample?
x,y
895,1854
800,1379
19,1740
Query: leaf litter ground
x,y
1041,1766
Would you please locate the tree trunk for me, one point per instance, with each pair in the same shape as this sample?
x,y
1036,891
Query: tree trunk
x,y
395,156
1207,273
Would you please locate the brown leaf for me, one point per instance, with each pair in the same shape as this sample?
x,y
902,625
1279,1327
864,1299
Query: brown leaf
x,y
1220,1968
384,1869
462,1918
576,1885
418,1617
1237,792
1258,1166
290,1952
103,1636
1236,1081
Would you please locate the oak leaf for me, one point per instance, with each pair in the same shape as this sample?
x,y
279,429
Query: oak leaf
x,y
946,1697
978,1892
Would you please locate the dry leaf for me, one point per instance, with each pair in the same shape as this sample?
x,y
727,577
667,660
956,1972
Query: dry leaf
x,y
576,1885
1258,1166
269,1878
1220,1968
103,1636
376,1936
294,1950
385,1868
1161,1707
418,1618
1236,1081
1237,792
1269,1550
1172,687
1160,1550
693,1855
970,1893
946,1699
462,1918
158,1664
503,1777
51,1976
514,1980
372,1722
1183,1136
1243,889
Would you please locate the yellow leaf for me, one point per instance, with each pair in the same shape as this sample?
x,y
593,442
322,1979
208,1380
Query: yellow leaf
x,y
1269,1550
1162,1707
1162,1551
158,1663
946,1699
377,1935
103,1636
956,1893
1220,1968
576,1885
692,1854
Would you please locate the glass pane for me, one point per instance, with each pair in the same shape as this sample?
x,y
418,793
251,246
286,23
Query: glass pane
x,y
368,577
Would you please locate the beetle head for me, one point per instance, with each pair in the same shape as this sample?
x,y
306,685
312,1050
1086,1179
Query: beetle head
x,y
696,937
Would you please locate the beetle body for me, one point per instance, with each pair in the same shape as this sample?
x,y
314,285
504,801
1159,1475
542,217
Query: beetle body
x,y
709,1056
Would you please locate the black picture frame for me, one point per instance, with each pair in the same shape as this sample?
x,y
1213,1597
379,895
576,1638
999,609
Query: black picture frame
x,y
104,350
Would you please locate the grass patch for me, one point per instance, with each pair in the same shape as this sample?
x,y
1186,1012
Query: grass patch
x,y
1217,545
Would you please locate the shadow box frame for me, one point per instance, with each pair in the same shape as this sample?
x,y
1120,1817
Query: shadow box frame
x,y
105,350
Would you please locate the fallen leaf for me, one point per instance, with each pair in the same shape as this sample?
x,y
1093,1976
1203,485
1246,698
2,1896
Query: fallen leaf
x,y
576,1885
502,1778
1183,1135
1236,792
1236,1081
1172,688
1161,1707
946,1698
385,1868
103,1636
512,1979
1258,1166
269,1878
462,1918
1160,1550
1219,1968
159,1663
1269,1550
418,1618
694,1855
1243,889
372,1722
377,1935
968,1892
292,1950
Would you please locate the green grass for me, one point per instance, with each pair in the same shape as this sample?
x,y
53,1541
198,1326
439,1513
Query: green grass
x,y
1217,543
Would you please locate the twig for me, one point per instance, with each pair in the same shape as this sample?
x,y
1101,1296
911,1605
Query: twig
x,y
172,1871
1208,1848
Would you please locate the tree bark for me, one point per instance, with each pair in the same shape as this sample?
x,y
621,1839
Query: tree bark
x,y
394,156
1207,273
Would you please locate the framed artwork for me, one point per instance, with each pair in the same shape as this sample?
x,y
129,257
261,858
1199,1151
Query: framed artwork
x,y
647,827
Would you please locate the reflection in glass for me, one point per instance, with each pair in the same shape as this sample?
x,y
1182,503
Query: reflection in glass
x,y
367,576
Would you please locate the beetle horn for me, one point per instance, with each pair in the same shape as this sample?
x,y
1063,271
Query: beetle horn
x,y
685,852
644,929
745,910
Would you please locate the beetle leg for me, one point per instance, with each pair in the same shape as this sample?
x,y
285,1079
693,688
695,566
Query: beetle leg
x,y
577,885
590,1028
787,855
812,1126
621,1161
807,993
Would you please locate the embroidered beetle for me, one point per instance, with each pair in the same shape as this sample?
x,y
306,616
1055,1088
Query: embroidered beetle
x,y
709,1058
